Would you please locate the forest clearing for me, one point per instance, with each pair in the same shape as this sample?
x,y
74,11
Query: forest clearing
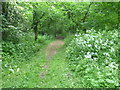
x,y
60,45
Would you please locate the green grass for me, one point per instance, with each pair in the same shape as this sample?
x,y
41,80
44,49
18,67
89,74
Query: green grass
x,y
27,75
58,75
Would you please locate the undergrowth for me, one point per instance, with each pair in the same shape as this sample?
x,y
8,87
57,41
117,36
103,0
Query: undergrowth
x,y
93,57
18,58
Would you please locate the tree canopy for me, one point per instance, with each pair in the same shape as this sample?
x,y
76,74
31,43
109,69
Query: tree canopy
x,y
58,17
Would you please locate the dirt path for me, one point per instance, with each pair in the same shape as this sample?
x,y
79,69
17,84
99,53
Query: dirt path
x,y
51,50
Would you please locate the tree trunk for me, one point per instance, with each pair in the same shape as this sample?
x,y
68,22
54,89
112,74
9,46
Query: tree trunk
x,y
35,31
5,14
85,16
35,23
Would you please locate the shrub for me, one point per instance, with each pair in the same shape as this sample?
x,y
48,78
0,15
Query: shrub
x,y
14,54
94,58
42,39
68,39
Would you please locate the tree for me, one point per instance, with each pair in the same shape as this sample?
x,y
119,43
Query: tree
x,y
85,16
5,18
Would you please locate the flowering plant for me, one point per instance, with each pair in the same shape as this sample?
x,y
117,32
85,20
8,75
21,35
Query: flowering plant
x,y
94,58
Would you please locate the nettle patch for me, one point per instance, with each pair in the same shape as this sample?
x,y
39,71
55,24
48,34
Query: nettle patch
x,y
94,58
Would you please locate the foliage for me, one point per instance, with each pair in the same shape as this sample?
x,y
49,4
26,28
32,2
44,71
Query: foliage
x,y
12,22
68,39
44,38
17,53
94,58
27,75
24,74
92,55
22,17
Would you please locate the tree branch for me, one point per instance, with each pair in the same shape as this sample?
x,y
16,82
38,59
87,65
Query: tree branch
x,y
84,18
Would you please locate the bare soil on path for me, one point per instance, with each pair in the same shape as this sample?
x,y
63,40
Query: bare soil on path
x,y
51,50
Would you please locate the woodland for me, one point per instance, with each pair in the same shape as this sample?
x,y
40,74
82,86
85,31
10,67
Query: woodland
x,y
59,45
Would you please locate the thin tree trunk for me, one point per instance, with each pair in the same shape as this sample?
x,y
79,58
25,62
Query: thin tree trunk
x,y
5,14
35,31
35,23
85,16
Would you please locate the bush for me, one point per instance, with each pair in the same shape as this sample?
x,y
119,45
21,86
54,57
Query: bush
x,y
94,58
68,39
14,54
42,39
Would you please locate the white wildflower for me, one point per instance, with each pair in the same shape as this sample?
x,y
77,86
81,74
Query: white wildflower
x,y
100,40
5,65
88,55
95,58
95,53
86,34
108,73
55,86
76,35
98,72
84,41
107,67
106,61
96,41
110,81
112,49
113,65
96,46
89,45
107,54
18,69
77,40
92,38
11,70
107,40
92,53
111,42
